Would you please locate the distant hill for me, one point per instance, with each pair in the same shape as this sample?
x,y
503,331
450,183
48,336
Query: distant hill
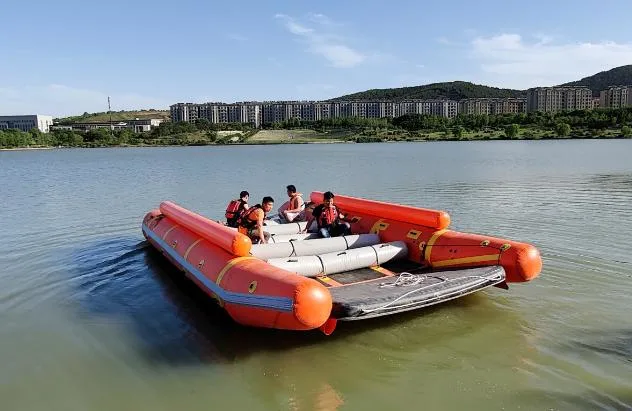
x,y
458,90
455,90
619,76
116,116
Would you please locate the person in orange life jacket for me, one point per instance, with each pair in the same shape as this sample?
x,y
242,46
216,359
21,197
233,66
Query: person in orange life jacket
x,y
251,221
235,208
296,206
331,222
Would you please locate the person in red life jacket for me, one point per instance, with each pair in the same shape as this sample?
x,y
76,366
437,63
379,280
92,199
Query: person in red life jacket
x,y
235,208
296,205
251,221
331,221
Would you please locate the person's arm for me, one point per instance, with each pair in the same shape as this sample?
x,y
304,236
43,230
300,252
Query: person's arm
x,y
309,223
343,216
300,204
262,238
315,213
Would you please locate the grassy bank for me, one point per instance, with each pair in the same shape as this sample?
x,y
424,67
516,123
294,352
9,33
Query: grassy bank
x,y
300,136
117,116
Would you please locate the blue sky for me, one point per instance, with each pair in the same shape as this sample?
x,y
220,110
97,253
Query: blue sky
x,y
65,57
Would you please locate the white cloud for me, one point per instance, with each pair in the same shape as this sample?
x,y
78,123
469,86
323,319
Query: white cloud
x,y
236,37
319,18
323,43
508,60
61,100
444,40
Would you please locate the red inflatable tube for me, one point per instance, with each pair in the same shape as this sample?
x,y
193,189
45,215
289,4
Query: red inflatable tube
x,y
412,215
230,240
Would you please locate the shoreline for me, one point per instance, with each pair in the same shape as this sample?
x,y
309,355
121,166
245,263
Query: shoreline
x,y
290,142
30,148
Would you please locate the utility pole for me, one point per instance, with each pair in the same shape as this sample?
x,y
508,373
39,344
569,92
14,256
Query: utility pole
x,y
110,111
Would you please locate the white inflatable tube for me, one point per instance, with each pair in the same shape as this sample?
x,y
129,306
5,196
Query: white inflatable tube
x,y
289,228
337,262
312,247
286,238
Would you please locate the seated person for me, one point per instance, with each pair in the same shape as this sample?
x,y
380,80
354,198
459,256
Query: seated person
x,y
251,221
235,208
294,210
331,222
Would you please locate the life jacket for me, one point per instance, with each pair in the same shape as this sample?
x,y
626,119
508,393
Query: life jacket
x,y
294,202
246,222
233,209
328,216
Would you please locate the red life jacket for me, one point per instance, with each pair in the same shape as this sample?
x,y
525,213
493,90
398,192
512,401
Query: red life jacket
x,y
246,222
328,216
233,209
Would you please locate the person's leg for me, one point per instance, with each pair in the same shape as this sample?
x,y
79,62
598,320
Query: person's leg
x,y
256,237
346,228
324,232
341,229
253,233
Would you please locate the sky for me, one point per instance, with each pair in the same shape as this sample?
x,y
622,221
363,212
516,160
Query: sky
x,y
66,57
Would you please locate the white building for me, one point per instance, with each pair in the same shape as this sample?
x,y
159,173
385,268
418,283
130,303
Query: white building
x,y
27,123
137,125
616,97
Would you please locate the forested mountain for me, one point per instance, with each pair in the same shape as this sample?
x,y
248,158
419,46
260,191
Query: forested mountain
x,y
620,76
455,90
458,90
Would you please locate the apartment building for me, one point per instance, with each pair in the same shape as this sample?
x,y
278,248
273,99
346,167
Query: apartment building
x,y
136,125
616,97
27,122
241,112
548,99
552,99
487,106
277,111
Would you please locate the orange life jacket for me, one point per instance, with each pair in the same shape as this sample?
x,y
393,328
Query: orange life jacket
x,y
244,220
294,202
233,210
328,216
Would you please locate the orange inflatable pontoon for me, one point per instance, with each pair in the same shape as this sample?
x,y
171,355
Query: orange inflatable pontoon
x,y
398,258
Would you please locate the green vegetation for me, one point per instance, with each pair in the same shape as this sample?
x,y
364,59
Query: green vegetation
x,y
181,134
600,123
512,130
619,76
117,116
455,90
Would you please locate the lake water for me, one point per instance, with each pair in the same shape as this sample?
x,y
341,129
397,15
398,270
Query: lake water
x,y
91,318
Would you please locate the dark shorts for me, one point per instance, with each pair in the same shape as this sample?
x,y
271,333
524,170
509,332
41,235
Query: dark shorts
x,y
335,230
254,236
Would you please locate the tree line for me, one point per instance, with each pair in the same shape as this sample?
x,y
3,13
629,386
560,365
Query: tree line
x,y
561,123
201,132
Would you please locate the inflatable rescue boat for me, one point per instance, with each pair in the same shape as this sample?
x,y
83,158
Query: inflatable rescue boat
x,y
399,258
